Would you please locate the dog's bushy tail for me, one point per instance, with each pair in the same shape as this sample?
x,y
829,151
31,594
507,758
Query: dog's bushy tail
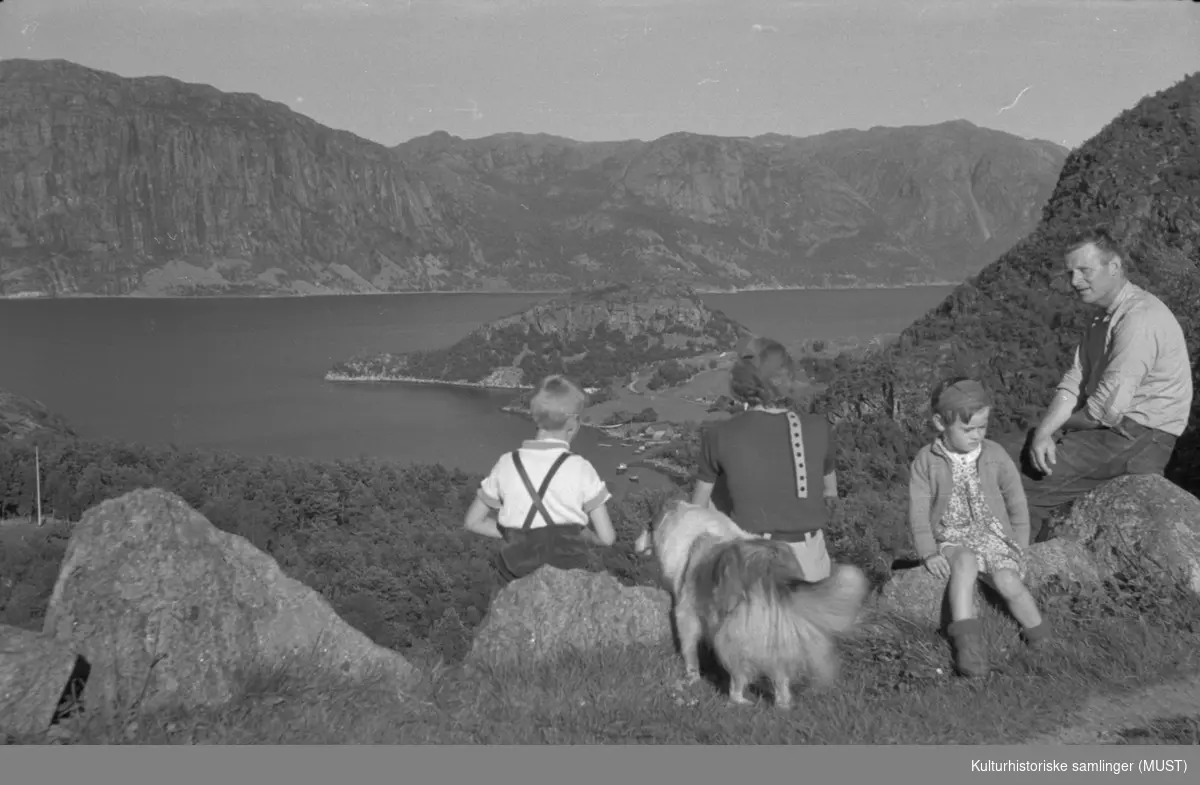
x,y
766,573
831,605
749,569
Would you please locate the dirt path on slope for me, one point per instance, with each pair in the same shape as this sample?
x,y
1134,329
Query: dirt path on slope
x,y
1103,716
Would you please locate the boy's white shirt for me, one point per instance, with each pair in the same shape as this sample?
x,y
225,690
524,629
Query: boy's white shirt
x,y
575,491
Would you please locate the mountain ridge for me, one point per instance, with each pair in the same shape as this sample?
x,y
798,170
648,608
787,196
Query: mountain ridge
x,y
116,186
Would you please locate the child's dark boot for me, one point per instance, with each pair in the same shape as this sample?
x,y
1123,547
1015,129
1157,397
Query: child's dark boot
x,y
1037,637
970,654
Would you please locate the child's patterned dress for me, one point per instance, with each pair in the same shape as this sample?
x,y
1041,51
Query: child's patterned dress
x,y
969,521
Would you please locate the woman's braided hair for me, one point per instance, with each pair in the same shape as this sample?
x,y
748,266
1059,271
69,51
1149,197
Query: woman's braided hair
x,y
763,374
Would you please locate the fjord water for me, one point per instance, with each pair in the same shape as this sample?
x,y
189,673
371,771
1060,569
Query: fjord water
x,y
246,375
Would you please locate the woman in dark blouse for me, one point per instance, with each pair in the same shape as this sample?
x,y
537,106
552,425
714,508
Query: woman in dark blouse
x,y
777,468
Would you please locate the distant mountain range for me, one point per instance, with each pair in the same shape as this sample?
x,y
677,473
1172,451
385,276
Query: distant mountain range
x,y
152,186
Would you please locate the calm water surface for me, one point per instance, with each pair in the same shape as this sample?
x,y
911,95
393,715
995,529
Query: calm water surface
x,y
247,374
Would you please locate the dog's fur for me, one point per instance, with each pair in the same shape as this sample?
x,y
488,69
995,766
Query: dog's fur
x,y
748,597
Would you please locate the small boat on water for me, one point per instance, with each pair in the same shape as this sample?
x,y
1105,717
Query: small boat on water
x,y
602,444
634,478
622,468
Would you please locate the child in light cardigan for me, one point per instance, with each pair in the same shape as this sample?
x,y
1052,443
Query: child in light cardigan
x,y
970,520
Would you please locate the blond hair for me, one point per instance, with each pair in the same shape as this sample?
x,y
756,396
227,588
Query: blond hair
x,y
556,400
763,374
1108,247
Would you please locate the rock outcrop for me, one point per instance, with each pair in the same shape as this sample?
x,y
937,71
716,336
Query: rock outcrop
x,y
539,617
915,594
592,335
166,608
114,186
1136,524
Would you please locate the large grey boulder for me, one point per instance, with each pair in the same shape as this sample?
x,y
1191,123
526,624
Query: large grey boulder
x,y
1135,523
540,616
915,594
169,609
1139,522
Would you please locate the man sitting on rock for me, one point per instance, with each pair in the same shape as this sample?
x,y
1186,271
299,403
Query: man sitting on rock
x,y
1126,397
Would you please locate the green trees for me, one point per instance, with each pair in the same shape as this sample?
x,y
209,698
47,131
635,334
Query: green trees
x,y
383,542
669,374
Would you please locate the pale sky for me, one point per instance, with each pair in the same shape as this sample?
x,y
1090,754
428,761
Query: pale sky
x,y
390,70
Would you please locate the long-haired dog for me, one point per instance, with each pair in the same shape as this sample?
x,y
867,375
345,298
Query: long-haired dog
x,y
747,596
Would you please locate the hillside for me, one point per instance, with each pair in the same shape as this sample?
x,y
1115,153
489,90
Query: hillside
x,y
22,417
384,544
593,334
1015,324
152,186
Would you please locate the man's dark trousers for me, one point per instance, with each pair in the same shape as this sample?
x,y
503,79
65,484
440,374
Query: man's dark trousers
x,y
1084,460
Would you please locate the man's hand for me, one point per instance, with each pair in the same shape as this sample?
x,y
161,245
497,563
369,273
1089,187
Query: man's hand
x,y
1042,453
938,566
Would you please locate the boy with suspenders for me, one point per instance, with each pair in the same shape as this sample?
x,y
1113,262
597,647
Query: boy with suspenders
x,y
546,524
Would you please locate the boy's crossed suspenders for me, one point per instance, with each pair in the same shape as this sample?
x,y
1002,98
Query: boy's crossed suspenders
x,y
538,505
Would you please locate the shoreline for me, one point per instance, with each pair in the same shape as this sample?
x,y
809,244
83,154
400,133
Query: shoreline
x,y
37,296
332,376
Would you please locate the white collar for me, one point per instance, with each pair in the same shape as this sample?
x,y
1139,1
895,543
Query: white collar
x,y
545,444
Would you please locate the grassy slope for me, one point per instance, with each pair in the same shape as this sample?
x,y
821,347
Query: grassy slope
x,y
897,689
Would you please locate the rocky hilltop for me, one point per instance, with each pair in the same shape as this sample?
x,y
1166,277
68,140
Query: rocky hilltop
x,y
153,186
594,335
1015,324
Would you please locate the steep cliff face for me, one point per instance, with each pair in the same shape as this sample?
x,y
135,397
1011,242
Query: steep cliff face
x,y
1016,324
111,186
117,186
593,335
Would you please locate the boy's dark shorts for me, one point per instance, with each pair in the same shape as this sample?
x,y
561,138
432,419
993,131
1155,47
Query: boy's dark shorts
x,y
524,550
